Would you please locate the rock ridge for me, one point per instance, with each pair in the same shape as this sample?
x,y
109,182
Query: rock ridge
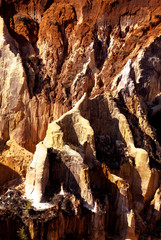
x,y
80,111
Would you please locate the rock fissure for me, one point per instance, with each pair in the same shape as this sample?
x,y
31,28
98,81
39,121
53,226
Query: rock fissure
x,y
80,88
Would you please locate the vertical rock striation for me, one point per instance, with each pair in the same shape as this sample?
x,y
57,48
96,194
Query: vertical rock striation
x,y
80,87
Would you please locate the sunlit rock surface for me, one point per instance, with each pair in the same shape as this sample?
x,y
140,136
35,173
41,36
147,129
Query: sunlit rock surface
x,y
80,113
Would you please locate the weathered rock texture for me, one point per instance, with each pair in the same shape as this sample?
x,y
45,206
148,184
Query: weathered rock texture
x,y
80,85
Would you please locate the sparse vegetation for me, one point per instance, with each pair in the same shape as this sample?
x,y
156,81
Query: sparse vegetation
x,y
22,234
28,206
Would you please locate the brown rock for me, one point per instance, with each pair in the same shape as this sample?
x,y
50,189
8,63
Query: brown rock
x,y
50,55
14,161
58,137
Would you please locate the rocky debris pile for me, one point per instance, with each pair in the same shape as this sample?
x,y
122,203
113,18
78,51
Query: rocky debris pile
x,y
14,202
31,222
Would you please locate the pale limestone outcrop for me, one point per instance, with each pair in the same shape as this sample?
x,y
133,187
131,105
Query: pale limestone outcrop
x,y
20,116
13,79
38,174
124,81
69,131
72,129
13,86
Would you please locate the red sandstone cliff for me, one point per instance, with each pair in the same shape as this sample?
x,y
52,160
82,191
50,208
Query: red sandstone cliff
x,y
80,85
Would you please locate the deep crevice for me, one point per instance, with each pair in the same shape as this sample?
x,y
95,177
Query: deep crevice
x,y
141,139
100,48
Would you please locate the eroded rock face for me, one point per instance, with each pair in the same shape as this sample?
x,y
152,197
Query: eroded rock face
x,y
80,84
136,184
14,91
70,131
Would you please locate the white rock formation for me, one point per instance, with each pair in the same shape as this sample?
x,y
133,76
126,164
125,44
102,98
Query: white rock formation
x,y
70,129
38,174
13,86
124,80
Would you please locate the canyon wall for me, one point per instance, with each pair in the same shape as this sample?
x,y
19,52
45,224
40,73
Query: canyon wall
x,y
80,107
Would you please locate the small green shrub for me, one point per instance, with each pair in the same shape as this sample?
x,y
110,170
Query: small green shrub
x,y
28,206
22,234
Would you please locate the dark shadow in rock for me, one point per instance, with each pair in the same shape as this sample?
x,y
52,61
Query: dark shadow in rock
x,y
155,120
48,4
101,46
136,187
153,221
12,227
141,139
3,147
69,134
60,173
6,174
70,138
101,186
106,131
8,11
65,48
12,216
150,69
